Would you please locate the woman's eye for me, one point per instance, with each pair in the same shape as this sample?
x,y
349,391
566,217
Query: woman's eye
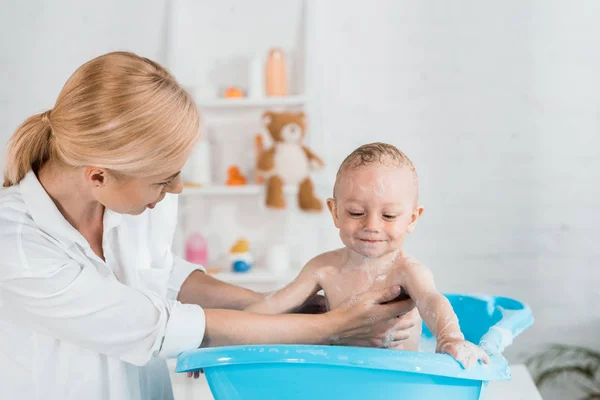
x,y
165,184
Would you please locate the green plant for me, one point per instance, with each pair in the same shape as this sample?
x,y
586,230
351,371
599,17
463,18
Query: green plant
x,y
579,366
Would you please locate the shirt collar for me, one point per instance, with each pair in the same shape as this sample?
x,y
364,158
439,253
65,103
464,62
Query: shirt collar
x,y
47,216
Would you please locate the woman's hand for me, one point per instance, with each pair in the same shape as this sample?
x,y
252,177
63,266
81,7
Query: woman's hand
x,y
364,320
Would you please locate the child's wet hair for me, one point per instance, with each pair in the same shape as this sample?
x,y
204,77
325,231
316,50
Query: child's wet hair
x,y
376,153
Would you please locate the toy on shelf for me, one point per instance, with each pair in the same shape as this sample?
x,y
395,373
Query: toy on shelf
x,y
288,161
240,256
233,92
259,147
276,74
235,176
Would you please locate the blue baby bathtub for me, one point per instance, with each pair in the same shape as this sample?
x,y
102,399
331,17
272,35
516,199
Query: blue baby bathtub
x,y
302,372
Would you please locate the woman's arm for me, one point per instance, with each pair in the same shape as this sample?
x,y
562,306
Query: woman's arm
x,y
208,292
291,297
364,320
45,290
229,327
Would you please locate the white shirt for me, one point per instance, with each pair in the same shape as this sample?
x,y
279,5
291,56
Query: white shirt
x,y
75,327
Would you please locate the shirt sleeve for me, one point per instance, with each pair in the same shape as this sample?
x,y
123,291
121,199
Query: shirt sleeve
x,y
179,272
42,288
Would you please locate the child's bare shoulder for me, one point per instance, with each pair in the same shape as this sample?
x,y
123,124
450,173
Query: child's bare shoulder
x,y
411,269
325,264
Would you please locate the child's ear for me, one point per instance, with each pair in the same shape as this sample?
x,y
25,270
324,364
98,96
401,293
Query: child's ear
x,y
415,217
331,204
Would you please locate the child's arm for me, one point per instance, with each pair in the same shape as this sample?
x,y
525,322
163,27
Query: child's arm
x,y
439,316
291,297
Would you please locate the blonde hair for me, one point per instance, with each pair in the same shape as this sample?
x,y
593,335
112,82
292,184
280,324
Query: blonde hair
x,y
118,111
375,153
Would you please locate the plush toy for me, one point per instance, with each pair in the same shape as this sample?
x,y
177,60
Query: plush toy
x,y
288,162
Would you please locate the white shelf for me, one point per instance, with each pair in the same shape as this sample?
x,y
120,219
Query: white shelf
x,y
246,102
224,190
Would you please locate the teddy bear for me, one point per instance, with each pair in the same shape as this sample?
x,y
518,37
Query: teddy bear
x,y
288,161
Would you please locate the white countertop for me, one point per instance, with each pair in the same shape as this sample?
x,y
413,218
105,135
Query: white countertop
x,y
520,387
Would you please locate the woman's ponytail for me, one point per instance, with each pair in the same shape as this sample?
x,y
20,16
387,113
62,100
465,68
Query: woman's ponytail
x,y
28,148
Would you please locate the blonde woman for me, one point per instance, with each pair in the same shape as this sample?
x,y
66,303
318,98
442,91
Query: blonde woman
x,y
91,298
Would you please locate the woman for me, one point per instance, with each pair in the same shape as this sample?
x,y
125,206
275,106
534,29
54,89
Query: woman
x,y
91,298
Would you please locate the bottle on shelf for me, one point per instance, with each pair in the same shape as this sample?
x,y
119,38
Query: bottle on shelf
x,y
197,171
196,249
256,78
276,74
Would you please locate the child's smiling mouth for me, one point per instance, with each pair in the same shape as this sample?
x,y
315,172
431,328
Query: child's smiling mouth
x,y
371,240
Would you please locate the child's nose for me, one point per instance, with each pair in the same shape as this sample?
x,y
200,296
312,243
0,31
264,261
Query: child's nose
x,y
372,223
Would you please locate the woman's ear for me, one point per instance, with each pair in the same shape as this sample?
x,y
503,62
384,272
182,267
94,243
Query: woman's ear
x,y
332,205
417,212
96,177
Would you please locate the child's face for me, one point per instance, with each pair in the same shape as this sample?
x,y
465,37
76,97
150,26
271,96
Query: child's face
x,y
375,208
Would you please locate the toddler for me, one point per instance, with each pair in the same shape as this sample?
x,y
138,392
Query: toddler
x,y
374,206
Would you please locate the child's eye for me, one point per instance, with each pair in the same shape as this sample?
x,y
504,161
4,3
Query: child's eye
x,y
389,217
355,214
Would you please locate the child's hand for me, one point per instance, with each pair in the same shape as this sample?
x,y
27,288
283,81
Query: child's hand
x,y
465,352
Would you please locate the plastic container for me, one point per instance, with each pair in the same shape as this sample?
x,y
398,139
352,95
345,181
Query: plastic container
x,y
197,170
196,249
256,77
276,74
295,372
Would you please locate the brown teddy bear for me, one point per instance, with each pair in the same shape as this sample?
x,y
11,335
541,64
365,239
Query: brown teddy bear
x,y
287,161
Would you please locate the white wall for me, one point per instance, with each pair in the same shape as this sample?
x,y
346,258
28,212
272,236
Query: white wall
x,y
44,42
496,103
